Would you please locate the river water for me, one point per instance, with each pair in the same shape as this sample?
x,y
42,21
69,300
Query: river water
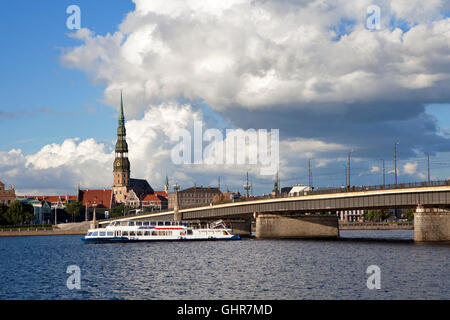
x,y
35,268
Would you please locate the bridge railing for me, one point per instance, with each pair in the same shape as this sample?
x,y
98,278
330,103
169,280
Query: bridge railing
x,y
326,190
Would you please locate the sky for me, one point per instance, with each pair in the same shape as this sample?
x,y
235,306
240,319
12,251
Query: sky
x,y
311,69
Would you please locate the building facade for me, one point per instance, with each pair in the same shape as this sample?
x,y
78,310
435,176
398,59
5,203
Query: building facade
x,y
194,197
7,196
101,200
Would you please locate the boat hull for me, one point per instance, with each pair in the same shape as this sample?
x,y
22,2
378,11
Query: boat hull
x,y
125,239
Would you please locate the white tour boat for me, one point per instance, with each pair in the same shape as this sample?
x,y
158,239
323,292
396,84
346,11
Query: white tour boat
x,y
134,231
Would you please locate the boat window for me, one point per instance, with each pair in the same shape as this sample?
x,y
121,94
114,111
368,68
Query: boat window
x,y
110,234
167,223
102,233
146,223
146,233
139,223
189,231
169,233
160,223
153,223
139,233
132,233
131,223
89,234
153,233
94,234
125,233
124,223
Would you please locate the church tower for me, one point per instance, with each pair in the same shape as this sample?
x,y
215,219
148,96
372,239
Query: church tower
x,y
166,185
121,167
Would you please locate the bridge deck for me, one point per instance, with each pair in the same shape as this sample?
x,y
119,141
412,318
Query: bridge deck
x,y
366,199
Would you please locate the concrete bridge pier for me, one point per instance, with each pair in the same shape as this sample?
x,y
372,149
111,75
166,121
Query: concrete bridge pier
x,y
431,224
241,227
270,225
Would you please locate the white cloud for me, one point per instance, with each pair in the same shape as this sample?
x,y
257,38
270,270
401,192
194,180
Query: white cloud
x,y
410,168
236,55
374,169
261,54
59,167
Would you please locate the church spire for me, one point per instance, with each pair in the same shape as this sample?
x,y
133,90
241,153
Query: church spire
x,y
121,171
121,116
166,185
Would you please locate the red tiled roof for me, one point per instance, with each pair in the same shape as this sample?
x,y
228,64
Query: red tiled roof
x,y
151,197
55,198
100,197
2,183
162,193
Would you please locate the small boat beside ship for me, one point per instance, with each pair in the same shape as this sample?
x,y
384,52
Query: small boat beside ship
x,y
137,231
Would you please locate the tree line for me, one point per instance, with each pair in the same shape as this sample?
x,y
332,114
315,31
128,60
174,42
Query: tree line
x,y
17,213
22,213
385,215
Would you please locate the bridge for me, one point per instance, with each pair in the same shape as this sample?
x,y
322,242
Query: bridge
x,y
313,214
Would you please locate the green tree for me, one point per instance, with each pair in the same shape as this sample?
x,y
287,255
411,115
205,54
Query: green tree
x,y
408,214
74,209
377,215
19,213
3,209
117,211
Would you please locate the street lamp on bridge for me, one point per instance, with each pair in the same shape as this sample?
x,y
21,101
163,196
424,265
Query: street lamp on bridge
x,y
395,161
383,172
348,170
428,166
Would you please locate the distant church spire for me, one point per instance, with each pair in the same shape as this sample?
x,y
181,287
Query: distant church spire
x,y
121,163
121,116
166,185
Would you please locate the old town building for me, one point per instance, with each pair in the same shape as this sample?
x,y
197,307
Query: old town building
x,y
194,197
7,196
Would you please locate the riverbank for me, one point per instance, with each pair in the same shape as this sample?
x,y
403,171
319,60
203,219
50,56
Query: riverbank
x,y
34,232
77,228
81,228
375,226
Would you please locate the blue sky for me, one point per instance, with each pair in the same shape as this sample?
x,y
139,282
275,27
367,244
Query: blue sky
x,y
43,102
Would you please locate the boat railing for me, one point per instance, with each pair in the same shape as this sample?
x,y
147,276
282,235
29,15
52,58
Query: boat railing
x,y
218,223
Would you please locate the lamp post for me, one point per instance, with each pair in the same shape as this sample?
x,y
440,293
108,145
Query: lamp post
x,y
346,175
428,166
383,173
94,216
349,184
395,161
